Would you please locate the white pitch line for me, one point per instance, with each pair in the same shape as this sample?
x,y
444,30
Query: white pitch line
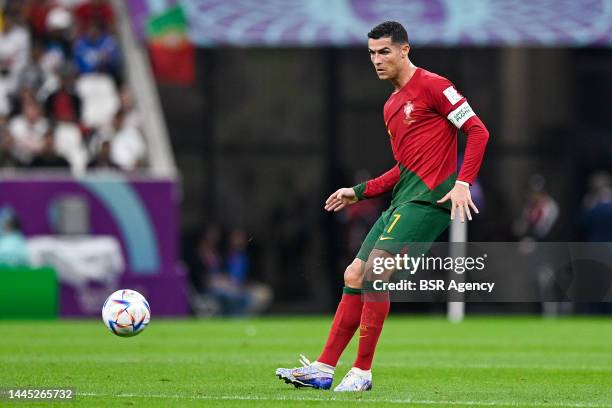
x,y
333,399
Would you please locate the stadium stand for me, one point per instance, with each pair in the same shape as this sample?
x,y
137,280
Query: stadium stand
x,y
63,90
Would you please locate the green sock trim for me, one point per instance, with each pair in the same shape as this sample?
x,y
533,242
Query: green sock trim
x,y
351,291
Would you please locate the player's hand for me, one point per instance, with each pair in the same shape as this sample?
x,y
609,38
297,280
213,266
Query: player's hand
x,y
340,199
461,199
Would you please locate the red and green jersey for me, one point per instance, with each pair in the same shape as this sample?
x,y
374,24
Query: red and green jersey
x,y
422,120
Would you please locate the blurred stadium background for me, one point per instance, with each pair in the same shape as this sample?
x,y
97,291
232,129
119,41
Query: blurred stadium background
x,y
184,148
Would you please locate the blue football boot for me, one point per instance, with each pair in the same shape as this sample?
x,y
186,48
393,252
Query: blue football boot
x,y
313,375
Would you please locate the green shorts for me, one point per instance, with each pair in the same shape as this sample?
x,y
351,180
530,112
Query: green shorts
x,y
400,227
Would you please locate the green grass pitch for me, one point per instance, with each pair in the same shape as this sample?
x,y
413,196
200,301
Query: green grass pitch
x,y
420,362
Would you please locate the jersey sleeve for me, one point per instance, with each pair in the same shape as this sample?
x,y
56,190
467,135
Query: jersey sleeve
x,y
379,185
477,138
448,102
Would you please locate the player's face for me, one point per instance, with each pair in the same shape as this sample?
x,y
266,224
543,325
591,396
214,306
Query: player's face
x,y
387,57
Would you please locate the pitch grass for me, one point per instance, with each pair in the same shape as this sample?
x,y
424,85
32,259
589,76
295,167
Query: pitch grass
x,y
421,362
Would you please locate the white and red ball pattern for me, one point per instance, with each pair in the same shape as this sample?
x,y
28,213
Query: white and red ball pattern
x,y
126,313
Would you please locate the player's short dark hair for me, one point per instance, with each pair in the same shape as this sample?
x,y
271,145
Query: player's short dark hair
x,y
391,29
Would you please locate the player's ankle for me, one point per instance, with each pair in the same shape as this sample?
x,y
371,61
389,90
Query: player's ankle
x,y
366,374
326,368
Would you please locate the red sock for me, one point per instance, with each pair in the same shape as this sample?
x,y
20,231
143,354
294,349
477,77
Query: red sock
x,y
346,322
375,311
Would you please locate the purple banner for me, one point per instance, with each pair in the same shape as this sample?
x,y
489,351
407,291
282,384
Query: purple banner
x,y
141,215
428,22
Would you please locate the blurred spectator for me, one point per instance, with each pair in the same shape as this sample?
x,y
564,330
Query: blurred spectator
x,y
65,104
58,41
32,76
132,117
6,156
14,54
48,157
103,160
206,263
127,146
255,295
224,290
27,132
232,299
69,144
97,51
36,14
228,286
95,11
596,223
597,212
237,257
13,245
535,223
539,214
128,149
35,81
18,101
209,253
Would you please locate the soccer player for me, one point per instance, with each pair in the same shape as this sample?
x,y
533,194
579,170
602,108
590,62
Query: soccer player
x,y
422,117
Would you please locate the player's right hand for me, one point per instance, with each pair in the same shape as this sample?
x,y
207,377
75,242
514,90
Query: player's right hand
x,y
340,199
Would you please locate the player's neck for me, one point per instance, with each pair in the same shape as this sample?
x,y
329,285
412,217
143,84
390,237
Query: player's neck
x,y
404,76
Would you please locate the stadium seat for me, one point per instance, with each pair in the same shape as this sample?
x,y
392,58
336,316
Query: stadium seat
x,y
100,99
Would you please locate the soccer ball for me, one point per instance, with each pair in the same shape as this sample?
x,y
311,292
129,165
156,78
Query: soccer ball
x,y
126,313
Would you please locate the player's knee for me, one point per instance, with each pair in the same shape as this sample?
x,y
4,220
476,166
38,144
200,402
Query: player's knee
x,y
353,275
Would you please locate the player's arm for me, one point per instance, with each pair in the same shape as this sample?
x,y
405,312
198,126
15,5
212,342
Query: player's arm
x,y
344,197
460,196
379,185
458,111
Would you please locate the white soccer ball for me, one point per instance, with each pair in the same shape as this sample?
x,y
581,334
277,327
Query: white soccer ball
x,y
126,313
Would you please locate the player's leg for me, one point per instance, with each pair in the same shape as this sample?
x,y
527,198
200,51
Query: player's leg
x,y
409,224
374,312
348,315
319,374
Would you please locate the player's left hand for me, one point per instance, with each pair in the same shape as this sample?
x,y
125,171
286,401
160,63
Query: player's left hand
x,y
460,199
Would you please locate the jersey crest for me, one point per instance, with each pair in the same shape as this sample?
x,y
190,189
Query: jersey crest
x,y
408,108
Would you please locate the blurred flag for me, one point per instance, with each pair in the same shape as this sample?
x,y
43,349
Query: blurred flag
x,y
172,53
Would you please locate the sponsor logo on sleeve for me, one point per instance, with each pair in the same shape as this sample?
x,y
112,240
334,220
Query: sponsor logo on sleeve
x,y
452,95
460,115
